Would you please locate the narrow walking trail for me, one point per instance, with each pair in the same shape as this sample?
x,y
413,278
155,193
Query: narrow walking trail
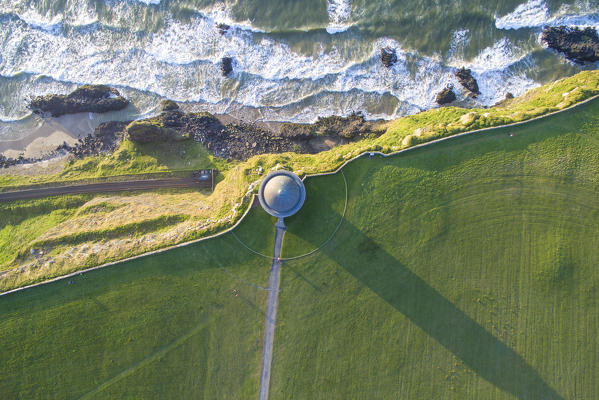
x,y
271,310
118,186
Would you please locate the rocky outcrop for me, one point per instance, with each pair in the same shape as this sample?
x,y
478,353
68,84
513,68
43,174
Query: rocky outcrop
x,y
446,95
352,127
466,79
89,98
222,28
241,141
168,105
578,45
388,56
226,66
148,131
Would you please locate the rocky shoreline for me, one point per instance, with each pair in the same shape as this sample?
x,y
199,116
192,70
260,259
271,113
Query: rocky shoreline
x,y
234,140
241,140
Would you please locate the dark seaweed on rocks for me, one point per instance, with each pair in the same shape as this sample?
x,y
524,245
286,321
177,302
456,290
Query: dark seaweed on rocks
x,y
388,56
446,95
466,79
578,45
88,98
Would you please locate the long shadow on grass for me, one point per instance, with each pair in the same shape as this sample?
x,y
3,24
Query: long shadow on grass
x,y
438,317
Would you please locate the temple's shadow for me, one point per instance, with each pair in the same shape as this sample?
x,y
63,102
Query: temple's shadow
x,y
434,314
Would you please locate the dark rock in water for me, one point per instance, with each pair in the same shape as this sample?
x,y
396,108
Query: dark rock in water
x,y
222,28
88,98
446,95
388,56
578,45
467,80
226,66
509,96
168,105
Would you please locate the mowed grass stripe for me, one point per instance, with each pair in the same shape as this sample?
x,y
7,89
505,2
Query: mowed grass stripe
x,y
465,270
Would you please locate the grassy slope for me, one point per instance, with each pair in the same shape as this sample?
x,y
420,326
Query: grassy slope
x,y
166,326
466,270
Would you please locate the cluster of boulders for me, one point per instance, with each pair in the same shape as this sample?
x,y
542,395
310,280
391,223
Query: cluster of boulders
x,y
232,141
6,162
105,139
578,45
464,75
240,140
351,127
87,98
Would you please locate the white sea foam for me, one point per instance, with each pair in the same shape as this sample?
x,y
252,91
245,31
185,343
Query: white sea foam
x,y
148,2
459,41
532,13
535,14
46,22
181,62
339,13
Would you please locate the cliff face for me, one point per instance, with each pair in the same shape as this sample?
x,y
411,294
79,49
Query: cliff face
x,y
578,45
88,98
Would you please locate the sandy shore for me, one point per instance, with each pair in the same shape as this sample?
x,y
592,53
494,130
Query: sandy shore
x,y
48,133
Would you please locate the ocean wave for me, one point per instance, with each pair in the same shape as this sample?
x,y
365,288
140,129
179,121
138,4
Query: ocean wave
x,y
530,14
460,39
148,2
339,13
73,14
181,61
536,14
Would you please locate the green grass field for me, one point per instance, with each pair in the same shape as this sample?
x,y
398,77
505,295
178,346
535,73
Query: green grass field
x,y
467,270
166,326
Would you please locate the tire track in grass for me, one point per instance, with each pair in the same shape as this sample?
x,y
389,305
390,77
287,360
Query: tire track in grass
x,y
145,361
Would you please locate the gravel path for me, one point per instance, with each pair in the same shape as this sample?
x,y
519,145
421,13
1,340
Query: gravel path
x,y
271,311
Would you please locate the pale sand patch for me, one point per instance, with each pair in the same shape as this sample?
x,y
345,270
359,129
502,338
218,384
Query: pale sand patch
x,y
43,145
71,127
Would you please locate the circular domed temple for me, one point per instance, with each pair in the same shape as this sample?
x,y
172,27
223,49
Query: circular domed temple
x,y
282,193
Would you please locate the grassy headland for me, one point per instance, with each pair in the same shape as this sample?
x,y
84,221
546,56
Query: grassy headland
x,y
463,270
204,213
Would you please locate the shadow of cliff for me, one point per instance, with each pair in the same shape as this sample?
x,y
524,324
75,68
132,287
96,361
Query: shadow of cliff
x,y
434,314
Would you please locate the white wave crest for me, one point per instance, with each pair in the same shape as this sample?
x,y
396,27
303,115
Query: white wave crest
x,y
530,14
148,2
459,41
181,61
535,14
339,13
